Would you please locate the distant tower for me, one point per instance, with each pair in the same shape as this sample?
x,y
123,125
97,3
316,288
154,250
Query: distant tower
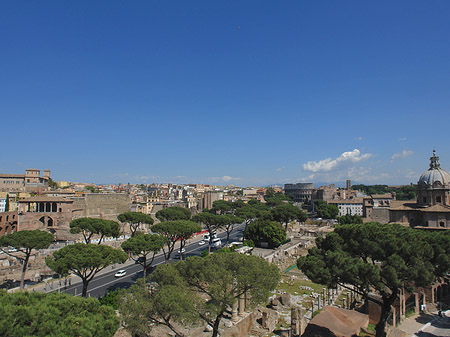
x,y
46,173
349,184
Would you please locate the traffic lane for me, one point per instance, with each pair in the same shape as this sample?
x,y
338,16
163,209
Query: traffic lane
x,y
194,249
101,283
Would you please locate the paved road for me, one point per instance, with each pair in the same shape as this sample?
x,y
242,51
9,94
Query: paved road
x,y
106,280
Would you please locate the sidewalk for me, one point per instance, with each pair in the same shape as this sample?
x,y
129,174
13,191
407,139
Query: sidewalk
x,y
427,325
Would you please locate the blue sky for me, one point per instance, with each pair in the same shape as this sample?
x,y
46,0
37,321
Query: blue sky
x,y
225,92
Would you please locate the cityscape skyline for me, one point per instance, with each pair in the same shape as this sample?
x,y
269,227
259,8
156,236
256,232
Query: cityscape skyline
x,y
250,94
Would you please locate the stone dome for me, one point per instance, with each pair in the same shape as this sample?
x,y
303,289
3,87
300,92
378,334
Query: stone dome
x,y
435,173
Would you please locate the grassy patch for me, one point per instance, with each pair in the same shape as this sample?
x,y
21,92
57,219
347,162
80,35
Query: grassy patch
x,y
291,286
281,324
410,312
371,327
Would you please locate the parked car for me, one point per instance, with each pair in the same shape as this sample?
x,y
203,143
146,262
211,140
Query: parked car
x,y
201,243
120,273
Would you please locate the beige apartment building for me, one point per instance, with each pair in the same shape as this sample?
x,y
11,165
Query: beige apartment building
x,y
30,181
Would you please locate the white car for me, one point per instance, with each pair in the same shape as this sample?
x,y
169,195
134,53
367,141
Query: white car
x,y
120,273
201,243
216,243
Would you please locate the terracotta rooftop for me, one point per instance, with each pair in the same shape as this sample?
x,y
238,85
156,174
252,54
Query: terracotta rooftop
x,y
436,208
346,201
340,322
402,205
4,175
381,196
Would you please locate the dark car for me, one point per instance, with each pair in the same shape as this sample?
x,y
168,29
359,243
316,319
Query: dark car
x,y
140,260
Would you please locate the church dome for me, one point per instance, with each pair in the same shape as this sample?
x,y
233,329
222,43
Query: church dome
x,y
435,173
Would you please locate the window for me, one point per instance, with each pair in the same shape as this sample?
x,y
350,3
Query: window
x,y
442,224
424,199
438,199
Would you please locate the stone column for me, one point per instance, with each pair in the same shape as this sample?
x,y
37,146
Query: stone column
x,y
402,304
295,322
348,301
265,320
324,294
241,306
234,315
318,302
416,303
432,294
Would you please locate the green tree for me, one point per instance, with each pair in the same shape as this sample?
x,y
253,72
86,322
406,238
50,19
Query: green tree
x,y
25,242
91,189
7,203
237,204
143,307
111,298
57,315
375,256
173,213
286,213
270,232
84,260
220,279
90,226
52,184
142,246
175,231
349,219
228,222
324,210
222,207
212,222
135,220
248,213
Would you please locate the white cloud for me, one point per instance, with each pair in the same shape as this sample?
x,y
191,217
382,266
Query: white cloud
x,y
402,139
145,179
280,169
308,178
403,154
119,175
224,178
359,138
329,164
